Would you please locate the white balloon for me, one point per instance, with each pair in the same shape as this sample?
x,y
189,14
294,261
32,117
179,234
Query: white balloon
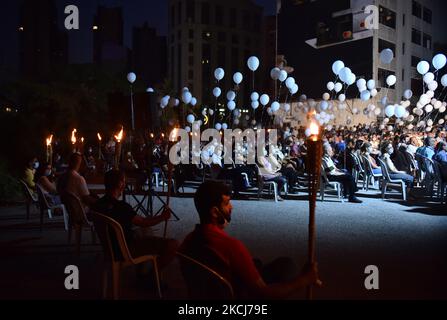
x,y
324,105
186,97
410,127
338,87
231,95
424,99
188,129
218,126
361,83
444,80
204,112
275,106
131,77
439,61
165,101
330,86
254,96
386,120
254,105
193,102
429,77
176,102
150,90
355,111
337,66
274,74
433,85
290,82
303,98
190,118
390,128
377,111
211,112
423,67
391,80
344,74
408,94
294,89
264,99
410,118
428,108
362,88
282,76
224,126
342,98
399,111
217,92
365,95
371,84
429,122
287,107
386,56
374,92
442,109
219,74
430,94
237,78
253,63
231,105
351,79
326,96
441,121
389,110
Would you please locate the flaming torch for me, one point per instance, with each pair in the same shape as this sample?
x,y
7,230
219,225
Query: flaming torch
x,y
99,147
74,140
118,138
313,165
49,142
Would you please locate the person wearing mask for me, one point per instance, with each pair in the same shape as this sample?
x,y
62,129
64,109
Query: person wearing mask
x,y
367,150
44,178
210,240
387,150
334,174
30,171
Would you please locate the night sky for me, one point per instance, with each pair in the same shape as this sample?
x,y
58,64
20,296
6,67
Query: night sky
x,y
136,12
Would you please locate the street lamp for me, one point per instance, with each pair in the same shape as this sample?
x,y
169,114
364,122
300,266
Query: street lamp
x,y
132,77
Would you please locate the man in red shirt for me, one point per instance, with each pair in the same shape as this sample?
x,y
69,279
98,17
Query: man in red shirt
x,y
234,262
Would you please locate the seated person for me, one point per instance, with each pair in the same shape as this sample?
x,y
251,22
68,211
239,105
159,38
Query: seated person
x,y
428,150
74,183
367,149
441,158
336,175
44,178
30,171
213,203
402,159
387,150
120,211
270,171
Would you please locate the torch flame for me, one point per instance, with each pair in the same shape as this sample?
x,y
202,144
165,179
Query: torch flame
x,y
82,139
152,135
49,141
120,135
173,136
73,136
314,130
99,137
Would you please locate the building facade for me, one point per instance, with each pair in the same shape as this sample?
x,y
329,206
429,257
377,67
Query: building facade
x,y
206,34
43,47
405,26
149,55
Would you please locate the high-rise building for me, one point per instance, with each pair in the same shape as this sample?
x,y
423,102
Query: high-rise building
x,y
313,34
149,55
108,38
206,34
43,46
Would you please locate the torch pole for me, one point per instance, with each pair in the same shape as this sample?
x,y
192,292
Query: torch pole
x,y
315,154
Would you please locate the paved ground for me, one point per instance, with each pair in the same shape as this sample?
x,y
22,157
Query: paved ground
x,y
407,242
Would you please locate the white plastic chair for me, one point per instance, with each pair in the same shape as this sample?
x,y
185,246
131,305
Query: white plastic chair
x,y
387,181
49,209
324,183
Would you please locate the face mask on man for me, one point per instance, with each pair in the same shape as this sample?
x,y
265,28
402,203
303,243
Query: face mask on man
x,y
36,165
390,151
48,173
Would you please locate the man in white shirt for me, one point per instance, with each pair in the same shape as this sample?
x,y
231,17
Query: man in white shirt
x,y
74,183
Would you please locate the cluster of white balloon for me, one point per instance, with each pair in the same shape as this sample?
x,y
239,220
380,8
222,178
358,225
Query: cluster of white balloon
x,y
257,99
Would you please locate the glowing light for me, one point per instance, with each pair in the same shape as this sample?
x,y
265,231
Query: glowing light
x,y
120,135
173,136
73,136
99,137
49,141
